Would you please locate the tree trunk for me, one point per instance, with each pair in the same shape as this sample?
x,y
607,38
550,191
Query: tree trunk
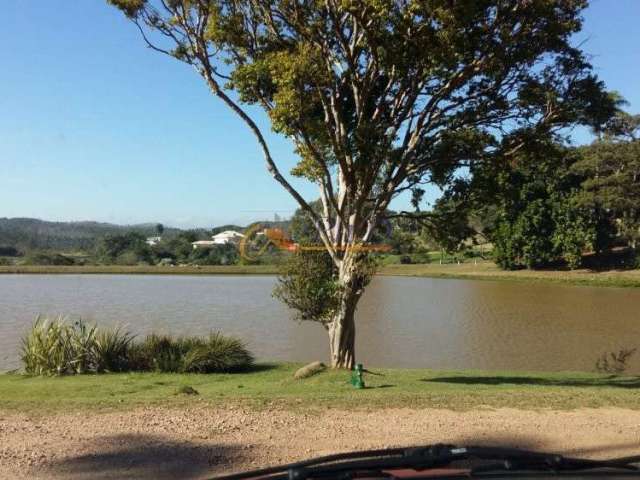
x,y
342,329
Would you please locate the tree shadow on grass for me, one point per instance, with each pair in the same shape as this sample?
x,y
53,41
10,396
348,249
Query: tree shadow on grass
x,y
260,367
147,457
605,381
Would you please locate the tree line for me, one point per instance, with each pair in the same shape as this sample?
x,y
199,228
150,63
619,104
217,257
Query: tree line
x,y
551,204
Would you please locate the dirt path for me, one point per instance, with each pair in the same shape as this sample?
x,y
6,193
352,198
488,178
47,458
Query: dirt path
x,y
157,443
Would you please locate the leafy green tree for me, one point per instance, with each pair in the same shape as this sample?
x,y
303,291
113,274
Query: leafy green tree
x,y
127,249
611,167
216,255
538,218
379,98
159,229
447,224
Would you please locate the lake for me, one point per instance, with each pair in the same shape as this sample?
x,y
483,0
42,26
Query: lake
x,y
401,321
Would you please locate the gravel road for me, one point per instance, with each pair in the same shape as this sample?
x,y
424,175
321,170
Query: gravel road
x,y
198,442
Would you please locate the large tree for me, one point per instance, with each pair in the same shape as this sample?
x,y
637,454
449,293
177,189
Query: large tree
x,y
381,96
611,166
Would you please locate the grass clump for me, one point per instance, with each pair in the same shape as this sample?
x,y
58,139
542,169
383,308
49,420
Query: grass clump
x,y
186,390
56,347
217,353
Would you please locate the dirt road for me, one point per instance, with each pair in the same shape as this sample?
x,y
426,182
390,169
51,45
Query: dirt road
x,y
198,442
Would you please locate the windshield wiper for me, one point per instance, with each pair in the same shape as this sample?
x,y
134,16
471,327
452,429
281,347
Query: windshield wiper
x,y
353,464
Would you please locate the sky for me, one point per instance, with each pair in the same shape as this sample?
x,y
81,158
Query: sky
x,y
95,126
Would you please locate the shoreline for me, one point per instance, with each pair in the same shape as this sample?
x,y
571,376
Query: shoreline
x,y
468,271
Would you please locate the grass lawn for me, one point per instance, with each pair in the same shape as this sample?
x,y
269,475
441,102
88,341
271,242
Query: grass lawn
x,y
490,271
480,271
273,384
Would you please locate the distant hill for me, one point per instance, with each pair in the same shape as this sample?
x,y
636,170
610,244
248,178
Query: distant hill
x,y
33,234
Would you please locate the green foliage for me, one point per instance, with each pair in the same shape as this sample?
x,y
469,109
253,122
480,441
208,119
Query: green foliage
x,y
611,168
186,390
214,354
126,249
47,349
29,234
45,258
161,353
536,219
215,255
111,350
55,347
308,284
448,224
217,354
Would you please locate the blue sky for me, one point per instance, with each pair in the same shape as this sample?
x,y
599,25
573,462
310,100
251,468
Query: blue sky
x,y
94,126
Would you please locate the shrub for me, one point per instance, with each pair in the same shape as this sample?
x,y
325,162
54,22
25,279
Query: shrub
x,y
55,347
46,349
615,362
42,258
111,350
218,354
162,353
82,342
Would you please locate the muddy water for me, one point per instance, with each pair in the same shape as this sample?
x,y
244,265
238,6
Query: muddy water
x,y
401,321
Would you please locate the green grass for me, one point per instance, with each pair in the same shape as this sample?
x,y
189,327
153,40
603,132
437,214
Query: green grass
x,y
274,385
490,271
483,270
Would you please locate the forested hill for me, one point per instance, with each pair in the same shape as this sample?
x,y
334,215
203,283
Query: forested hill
x,y
26,234
31,233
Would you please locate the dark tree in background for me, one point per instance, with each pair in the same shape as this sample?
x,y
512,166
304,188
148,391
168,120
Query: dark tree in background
x,y
381,97
611,167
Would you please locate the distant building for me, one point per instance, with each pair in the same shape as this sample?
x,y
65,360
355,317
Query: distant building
x,y
203,244
228,236
151,241
222,238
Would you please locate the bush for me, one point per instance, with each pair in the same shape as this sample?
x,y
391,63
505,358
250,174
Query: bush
x,y
111,350
47,350
161,353
48,259
55,347
217,354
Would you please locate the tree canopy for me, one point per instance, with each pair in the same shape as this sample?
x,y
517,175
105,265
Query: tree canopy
x,y
380,97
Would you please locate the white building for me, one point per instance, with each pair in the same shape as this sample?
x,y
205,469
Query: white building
x,y
203,244
228,236
222,238
151,241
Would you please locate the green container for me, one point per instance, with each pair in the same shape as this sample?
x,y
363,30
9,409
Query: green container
x,y
357,378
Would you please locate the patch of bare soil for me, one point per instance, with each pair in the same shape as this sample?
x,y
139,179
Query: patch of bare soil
x,y
199,442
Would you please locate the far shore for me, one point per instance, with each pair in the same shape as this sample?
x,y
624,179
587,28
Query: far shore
x,y
472,271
